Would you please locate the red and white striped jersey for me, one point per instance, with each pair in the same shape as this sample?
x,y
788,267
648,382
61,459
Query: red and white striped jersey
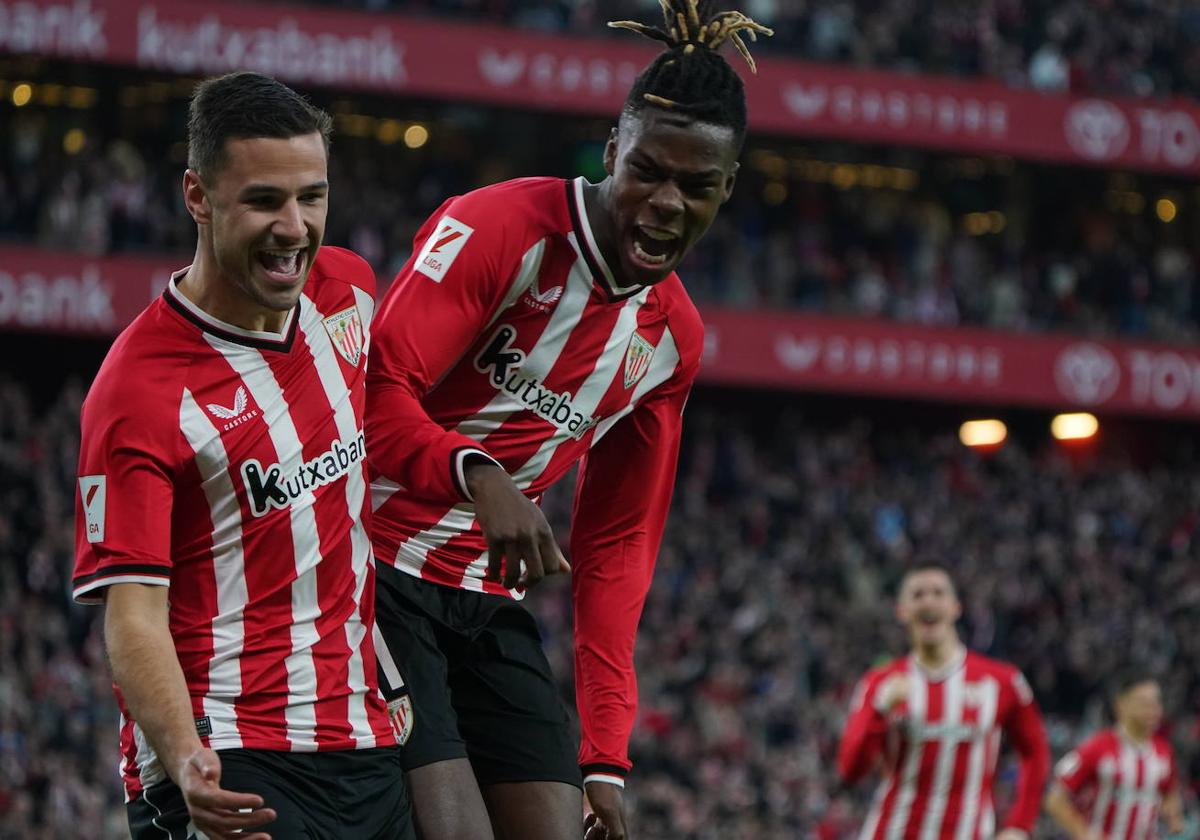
x,y
1120,783
230,466
507,335
940,747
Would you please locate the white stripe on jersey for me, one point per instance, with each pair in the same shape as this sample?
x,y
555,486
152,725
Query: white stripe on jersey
x,y
1126,791
1107,773
387,663
917,696
299,713
662,366
527,276
542,355
591,391
413,552
982,755
1147,795
947,756
229,572
338,394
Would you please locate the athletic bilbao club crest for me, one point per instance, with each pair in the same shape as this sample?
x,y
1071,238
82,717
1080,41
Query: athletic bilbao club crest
x,y
637,360
346,332
400,711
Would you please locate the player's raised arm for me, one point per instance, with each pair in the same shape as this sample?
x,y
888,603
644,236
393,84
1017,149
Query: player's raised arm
x,y
466,263
863,738
1027,734
621,504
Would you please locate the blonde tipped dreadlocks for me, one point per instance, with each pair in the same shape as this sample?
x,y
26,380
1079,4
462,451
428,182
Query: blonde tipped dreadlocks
x,y
689,23
690,77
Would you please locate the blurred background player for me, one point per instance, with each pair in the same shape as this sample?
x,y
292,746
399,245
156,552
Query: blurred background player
x,y
1125,777
222,487
541,321
932,721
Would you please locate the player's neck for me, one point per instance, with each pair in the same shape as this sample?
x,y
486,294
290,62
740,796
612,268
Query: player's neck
x,y
935,657
1134,733
203,285
598,205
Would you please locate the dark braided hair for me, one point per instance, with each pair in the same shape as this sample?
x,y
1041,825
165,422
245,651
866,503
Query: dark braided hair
x,y
691,78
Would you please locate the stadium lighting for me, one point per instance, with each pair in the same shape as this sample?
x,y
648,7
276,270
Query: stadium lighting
x,y
1166,210
416,136
1081,426
21,94
73,141
982,433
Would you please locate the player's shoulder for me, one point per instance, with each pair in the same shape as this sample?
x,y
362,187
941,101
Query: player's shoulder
x,y
529,203
882,670
978,663
683,320
143,372
334,266
1162,745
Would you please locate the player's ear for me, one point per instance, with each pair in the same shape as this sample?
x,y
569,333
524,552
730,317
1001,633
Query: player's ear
x,y
195,197
610,151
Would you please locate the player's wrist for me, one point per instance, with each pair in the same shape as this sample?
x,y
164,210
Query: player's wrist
x,y
479,471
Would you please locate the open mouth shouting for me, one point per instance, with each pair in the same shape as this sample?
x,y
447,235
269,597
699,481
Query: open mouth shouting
x,y
654,248
282,267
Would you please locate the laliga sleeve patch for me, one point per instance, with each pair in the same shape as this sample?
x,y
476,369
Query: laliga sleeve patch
x,y
92,491
443,248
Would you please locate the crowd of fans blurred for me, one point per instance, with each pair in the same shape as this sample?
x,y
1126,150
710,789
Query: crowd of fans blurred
x,y
1131,47
1060,257
773,594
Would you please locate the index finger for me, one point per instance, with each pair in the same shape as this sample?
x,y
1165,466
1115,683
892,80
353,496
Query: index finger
x,y
218,799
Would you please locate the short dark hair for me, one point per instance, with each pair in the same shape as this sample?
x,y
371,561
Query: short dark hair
x,y
244,105
1129,678
918,568
691,78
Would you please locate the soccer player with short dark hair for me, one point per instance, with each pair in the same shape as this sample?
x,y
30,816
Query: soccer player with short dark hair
x,y
541,324
1118,783
222,490
932,722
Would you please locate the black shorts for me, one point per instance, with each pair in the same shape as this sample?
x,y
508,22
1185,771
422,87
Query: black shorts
x,y
466,672
345,795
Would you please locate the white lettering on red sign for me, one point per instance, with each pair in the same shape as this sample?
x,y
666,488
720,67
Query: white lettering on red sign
x,y
210,45
34,300
74,29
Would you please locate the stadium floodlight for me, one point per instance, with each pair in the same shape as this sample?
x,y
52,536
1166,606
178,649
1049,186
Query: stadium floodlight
x,y
982,433
1080,426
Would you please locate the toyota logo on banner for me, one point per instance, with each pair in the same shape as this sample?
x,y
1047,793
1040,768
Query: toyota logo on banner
x,y
1087,373
1096,129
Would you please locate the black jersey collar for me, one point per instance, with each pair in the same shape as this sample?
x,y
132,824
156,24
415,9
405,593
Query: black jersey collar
x,y
602,275
280,341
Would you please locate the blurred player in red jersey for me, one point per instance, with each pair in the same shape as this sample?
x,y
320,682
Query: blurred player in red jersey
x,y
933,721
1126,775
222,494
541,324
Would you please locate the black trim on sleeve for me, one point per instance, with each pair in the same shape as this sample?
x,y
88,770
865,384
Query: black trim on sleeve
x,y
118,571
460,485
605,769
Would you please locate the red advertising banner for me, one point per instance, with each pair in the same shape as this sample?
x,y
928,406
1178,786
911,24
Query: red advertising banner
x,y
960,365
419,57
73,293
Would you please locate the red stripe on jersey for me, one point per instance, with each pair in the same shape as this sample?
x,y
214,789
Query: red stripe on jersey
x,y
194,646
304,394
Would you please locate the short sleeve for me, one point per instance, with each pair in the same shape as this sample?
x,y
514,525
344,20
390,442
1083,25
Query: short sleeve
x,y
123,500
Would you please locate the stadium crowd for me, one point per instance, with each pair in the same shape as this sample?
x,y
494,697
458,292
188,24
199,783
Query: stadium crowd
x,y
1060,256
1129,47
772,596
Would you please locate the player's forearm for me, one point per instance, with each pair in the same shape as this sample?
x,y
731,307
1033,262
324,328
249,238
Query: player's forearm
x,y
1060,808
861,745
146,669
1172,812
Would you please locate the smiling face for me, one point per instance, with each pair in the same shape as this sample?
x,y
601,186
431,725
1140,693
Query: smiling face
x,y
262,219
928,606
669,177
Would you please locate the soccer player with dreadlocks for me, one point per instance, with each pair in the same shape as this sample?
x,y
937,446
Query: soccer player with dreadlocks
x,y
541,324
